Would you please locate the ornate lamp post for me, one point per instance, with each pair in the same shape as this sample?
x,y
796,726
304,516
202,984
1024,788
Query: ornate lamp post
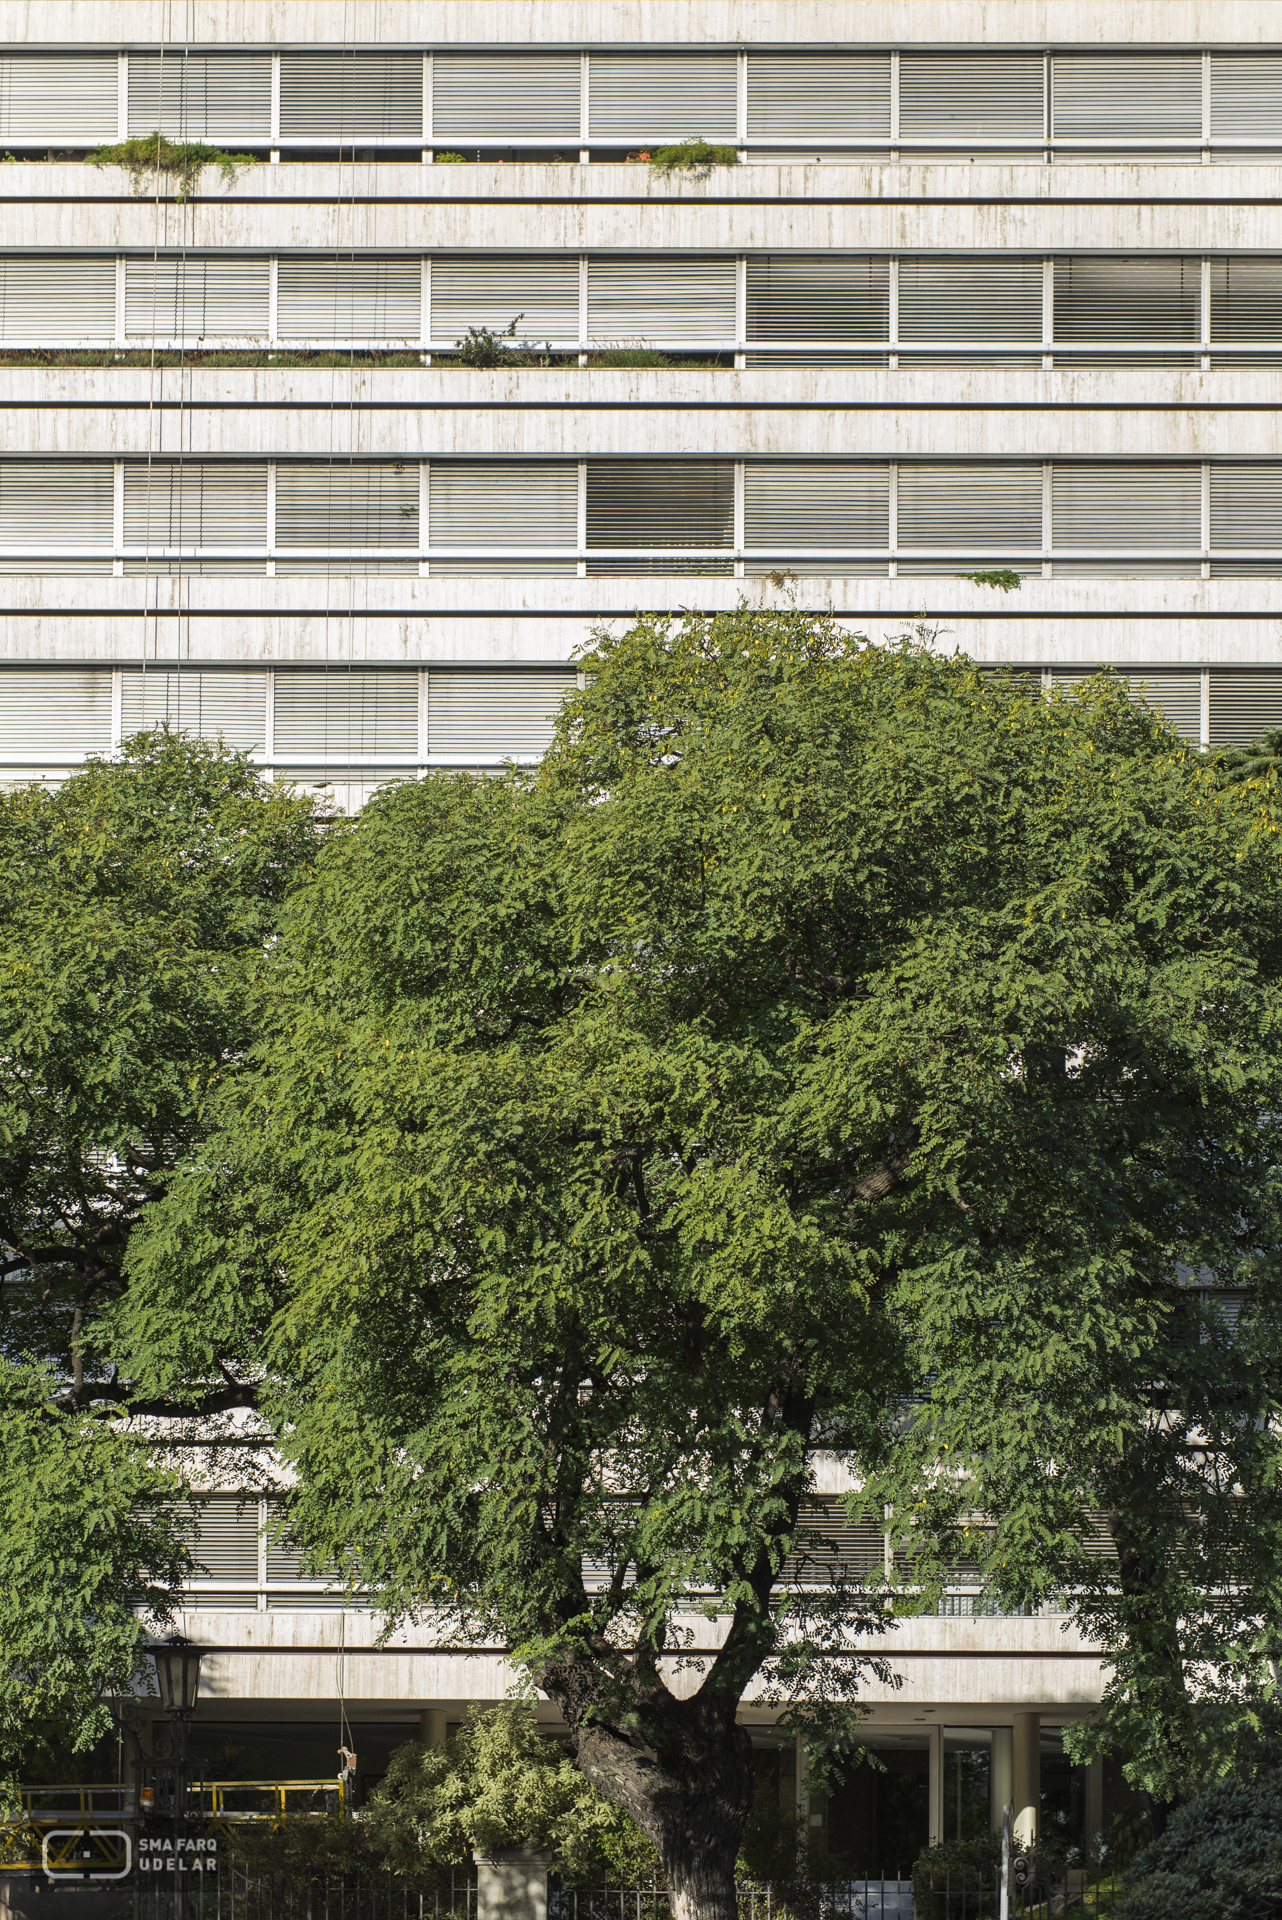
x,y
178,1676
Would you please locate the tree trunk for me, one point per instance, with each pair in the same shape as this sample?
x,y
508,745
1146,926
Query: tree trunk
x,y
683,1770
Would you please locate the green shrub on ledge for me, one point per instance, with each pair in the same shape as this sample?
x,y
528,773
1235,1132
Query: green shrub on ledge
x,y
148,156
692,156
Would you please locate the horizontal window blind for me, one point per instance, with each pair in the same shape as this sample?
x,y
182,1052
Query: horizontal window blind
x,y
1177,696
828,504
201,96
195,504
819,96
480,292
969,299
817,297
1246,506
205,701
1127,299
346,710
662,96
507,95
503,505
225,1538
659,503
349,300
59,96
992,96
65,296
1126,96
1246,298
346,505
1244,705
989,508
1126,506
345,96
839,1549
497,712
55,710
651,298
1246,95
55,503
196,298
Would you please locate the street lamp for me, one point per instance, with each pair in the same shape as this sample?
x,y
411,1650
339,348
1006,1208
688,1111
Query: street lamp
x,y
178,1678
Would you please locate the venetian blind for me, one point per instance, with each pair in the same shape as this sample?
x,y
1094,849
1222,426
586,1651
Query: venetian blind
x,y
651,298
59,96
1244,705
1246,95
994,509
822,296
967,96
201,96
60,711
659,503
1126,505
349,300
1127,299
826,503
230,702
195,503
970,299
56,503
500,712
478,292
1175,695
57,297
225,1537
1246,298
196,298
346,711
819,96
502,505
345,96
1126,96
662,96
1246,506
347,504
506,96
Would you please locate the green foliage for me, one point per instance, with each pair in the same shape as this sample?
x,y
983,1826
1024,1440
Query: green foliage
x,y
1255,762
692,156
629,357
1004,578
499,1784
483,347
449,159
1219,1859
149,156
949,1878
294,1852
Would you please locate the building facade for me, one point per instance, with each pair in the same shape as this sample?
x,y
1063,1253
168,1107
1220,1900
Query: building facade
x,y
974,285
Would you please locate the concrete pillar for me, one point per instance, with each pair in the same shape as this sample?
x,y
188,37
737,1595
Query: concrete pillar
x,y
1026,1768
513,1884
1001,1778
936,1779
431,1726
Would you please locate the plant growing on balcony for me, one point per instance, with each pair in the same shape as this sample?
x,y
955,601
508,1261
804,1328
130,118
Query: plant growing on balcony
x,y
180,163
692,156
484,347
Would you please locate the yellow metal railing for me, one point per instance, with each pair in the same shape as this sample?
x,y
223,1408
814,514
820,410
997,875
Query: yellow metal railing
x,y
228,1803
213,1805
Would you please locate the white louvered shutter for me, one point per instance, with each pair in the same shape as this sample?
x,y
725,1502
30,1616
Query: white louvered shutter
x,y
838,1549
349,300
344,505
1246,511
1244,705
284,1559
1126,96
970,299
59,96
1176,695
502,505
819,96
345,96
203,504
660,503
1246,97
825,504
989,512
821,296
196,299
476,292
651,298
205,701
500,714
662,96
1124,505
971,96
225,1543
1246,299
55,504
1127,298
346,711
201,96
57,297
505,96
59,711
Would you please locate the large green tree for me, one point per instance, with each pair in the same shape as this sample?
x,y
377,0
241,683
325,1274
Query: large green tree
x,y
139,900
829,1048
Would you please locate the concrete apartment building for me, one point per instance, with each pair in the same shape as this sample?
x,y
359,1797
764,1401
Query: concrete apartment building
x,y
993,283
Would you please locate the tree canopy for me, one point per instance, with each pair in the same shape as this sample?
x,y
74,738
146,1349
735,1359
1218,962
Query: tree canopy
x,y
829,1049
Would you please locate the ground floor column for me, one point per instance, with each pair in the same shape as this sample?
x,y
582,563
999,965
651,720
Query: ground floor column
x,y
1026,1769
